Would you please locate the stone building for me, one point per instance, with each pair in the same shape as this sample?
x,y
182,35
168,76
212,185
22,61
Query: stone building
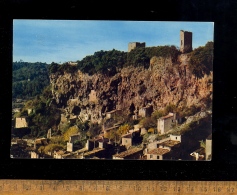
x,y
185,41
145,111
165,149
92,96
164,124
134,45
21,122
113,113
208,148
71,145
131,138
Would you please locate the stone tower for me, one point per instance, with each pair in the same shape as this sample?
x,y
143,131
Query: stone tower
x,y
186,41
133,45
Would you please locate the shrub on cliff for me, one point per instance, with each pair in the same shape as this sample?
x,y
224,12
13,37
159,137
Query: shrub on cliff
x,y
66,67
201,60
107,62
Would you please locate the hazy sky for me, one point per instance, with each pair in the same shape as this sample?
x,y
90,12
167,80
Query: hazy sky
x,y
70,40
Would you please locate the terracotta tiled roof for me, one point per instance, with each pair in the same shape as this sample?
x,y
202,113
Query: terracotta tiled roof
x,y
128,152
158,151
170,143
95,150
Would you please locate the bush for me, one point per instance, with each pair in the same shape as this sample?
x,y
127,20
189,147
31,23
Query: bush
x,y
201,60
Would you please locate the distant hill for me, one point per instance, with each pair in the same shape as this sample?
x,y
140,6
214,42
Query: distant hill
x,y
29,79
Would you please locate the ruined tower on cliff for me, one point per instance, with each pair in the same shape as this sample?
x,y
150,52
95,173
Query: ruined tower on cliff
x,y
133,45
186,41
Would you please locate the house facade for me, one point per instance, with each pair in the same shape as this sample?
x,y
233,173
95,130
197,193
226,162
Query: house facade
x,y
164,149
164,124
157,154
208,148
145,111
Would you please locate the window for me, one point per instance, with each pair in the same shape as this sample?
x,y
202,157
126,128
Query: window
x,y
176,138
158,157
151,156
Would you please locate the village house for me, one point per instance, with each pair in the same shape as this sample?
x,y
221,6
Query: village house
x,y
130,138
204,152
20,142
133,153
157,154
40,142
15,110
145,111
99,142
21,122
20,127
71,144
34,154
208,148
72,63
106,131
165,123
30,111
96,152
58,154
92,96
165,149
113,114
198,154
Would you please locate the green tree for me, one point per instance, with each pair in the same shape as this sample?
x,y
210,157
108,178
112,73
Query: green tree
x,y
148,122
94,129
71,131
124,129
201,60
52,147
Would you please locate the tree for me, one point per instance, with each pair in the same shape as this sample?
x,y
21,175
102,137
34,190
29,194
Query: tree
x,y
148,122
94,129
113,135
170,108
124,129
52,147
201,60
151,130
53,68
157,114
71,131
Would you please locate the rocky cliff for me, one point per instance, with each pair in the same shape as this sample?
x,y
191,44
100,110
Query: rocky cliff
x,y
163,83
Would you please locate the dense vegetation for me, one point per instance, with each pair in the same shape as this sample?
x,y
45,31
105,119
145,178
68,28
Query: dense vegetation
x,y
142,56
29,79
44,115
111,62
103,61
201,60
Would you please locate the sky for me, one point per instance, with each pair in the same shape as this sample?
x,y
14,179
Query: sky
x,y
71,40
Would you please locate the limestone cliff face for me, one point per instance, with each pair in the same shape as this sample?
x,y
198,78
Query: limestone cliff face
x,y
164,82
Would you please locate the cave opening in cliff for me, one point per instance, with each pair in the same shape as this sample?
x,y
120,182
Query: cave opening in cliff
x,y
76,110
132,109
